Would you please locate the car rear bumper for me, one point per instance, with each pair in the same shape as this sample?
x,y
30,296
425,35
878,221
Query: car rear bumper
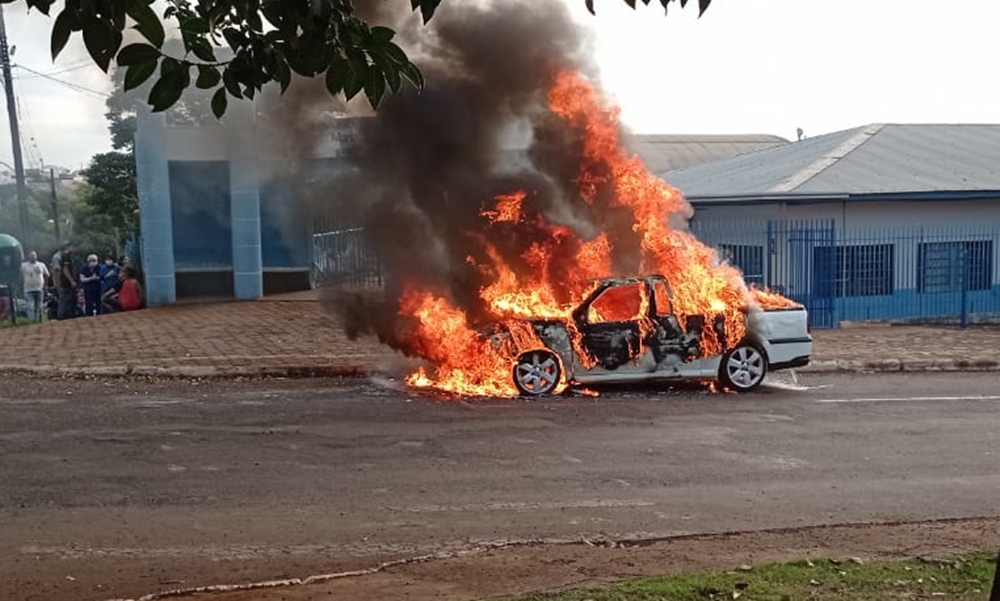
x,y
789,352
796,362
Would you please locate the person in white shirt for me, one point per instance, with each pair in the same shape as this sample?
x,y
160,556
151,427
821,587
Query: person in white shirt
x,y
33,274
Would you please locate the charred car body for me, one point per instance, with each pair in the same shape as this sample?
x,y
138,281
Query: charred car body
x,y
626,331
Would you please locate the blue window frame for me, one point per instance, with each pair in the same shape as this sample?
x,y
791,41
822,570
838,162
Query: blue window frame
x,y
954,266
861,270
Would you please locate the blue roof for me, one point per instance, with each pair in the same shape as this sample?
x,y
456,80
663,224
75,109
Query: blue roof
x,y
876,159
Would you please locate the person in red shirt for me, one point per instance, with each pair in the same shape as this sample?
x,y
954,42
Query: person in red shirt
x,y
126,294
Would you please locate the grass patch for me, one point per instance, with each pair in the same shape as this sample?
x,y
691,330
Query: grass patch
x,y
7,323
968,577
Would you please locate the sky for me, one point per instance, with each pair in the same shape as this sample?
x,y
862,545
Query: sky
x,y
746,66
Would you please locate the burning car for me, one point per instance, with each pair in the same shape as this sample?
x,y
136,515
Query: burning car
x,y
626,330
540,262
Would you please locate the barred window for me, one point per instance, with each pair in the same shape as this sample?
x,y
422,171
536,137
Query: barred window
x,y
952,266
864,270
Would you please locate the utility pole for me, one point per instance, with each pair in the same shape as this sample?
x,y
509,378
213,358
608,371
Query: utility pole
x,y
15,134
55,204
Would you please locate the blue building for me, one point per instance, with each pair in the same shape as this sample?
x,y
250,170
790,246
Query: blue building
x,y
221,212
881,222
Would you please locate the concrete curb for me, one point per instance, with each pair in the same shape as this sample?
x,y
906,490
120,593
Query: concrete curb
x,y
190,372
357,370
901,365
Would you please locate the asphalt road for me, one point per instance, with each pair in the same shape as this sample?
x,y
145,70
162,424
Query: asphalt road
x,y
111,489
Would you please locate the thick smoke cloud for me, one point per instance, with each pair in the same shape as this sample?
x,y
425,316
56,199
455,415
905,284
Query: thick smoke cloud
x,y
430,162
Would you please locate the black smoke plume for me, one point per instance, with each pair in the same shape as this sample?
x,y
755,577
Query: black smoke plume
x,y
430,162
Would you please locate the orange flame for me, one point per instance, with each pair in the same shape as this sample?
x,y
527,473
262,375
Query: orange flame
x,y
557,268
767,299
508,208
700,285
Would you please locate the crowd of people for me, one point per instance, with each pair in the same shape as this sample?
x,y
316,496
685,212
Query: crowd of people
x,y
67,288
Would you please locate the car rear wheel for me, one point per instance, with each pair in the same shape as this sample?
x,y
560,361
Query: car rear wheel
x,y
537,373
743,368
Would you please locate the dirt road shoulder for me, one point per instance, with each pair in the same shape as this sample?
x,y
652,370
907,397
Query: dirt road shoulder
x,y
530,568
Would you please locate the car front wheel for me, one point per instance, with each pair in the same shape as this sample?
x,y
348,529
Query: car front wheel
x,y
743,368
537,373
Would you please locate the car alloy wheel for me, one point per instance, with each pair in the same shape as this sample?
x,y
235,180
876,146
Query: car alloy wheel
x,y
537,373
743,368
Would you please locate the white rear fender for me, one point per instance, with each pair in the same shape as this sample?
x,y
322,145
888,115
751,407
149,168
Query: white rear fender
x,y
783,334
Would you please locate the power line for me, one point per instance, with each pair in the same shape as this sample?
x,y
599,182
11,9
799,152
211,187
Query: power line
x,y
63,82
24,114
75,67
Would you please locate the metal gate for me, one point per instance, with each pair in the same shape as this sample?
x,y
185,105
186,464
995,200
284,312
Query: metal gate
x,y
796,258
342,257
810,266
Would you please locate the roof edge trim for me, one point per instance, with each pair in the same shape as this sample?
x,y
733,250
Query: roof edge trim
x,y
828,160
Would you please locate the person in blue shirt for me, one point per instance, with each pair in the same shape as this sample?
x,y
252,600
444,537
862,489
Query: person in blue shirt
x,y
110,274
90,278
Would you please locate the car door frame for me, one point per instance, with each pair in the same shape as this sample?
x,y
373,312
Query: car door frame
x,y
630,365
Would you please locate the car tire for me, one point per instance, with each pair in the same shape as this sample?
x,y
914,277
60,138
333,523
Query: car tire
x,y
743,368
537,372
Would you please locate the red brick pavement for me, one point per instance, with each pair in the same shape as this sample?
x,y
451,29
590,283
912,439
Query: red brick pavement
x,y
268,334
293,333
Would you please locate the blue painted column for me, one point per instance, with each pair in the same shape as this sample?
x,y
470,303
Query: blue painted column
x,y
244,190
153,183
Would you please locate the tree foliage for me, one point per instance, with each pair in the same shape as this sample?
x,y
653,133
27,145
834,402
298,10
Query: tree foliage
x,y
235,47
92,229
41,230
112,181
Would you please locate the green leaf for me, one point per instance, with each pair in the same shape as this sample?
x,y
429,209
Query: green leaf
x,y
202,49
234,38
231,84
412,73
352,85
134,54
217,12
195,25
390,70
374,85
219,103
166,91
146,22
336,75
282,73
119,18
137,74
169,64
208,77
41,6
99,38
65,24
382,34
358,61
427,8
395,54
